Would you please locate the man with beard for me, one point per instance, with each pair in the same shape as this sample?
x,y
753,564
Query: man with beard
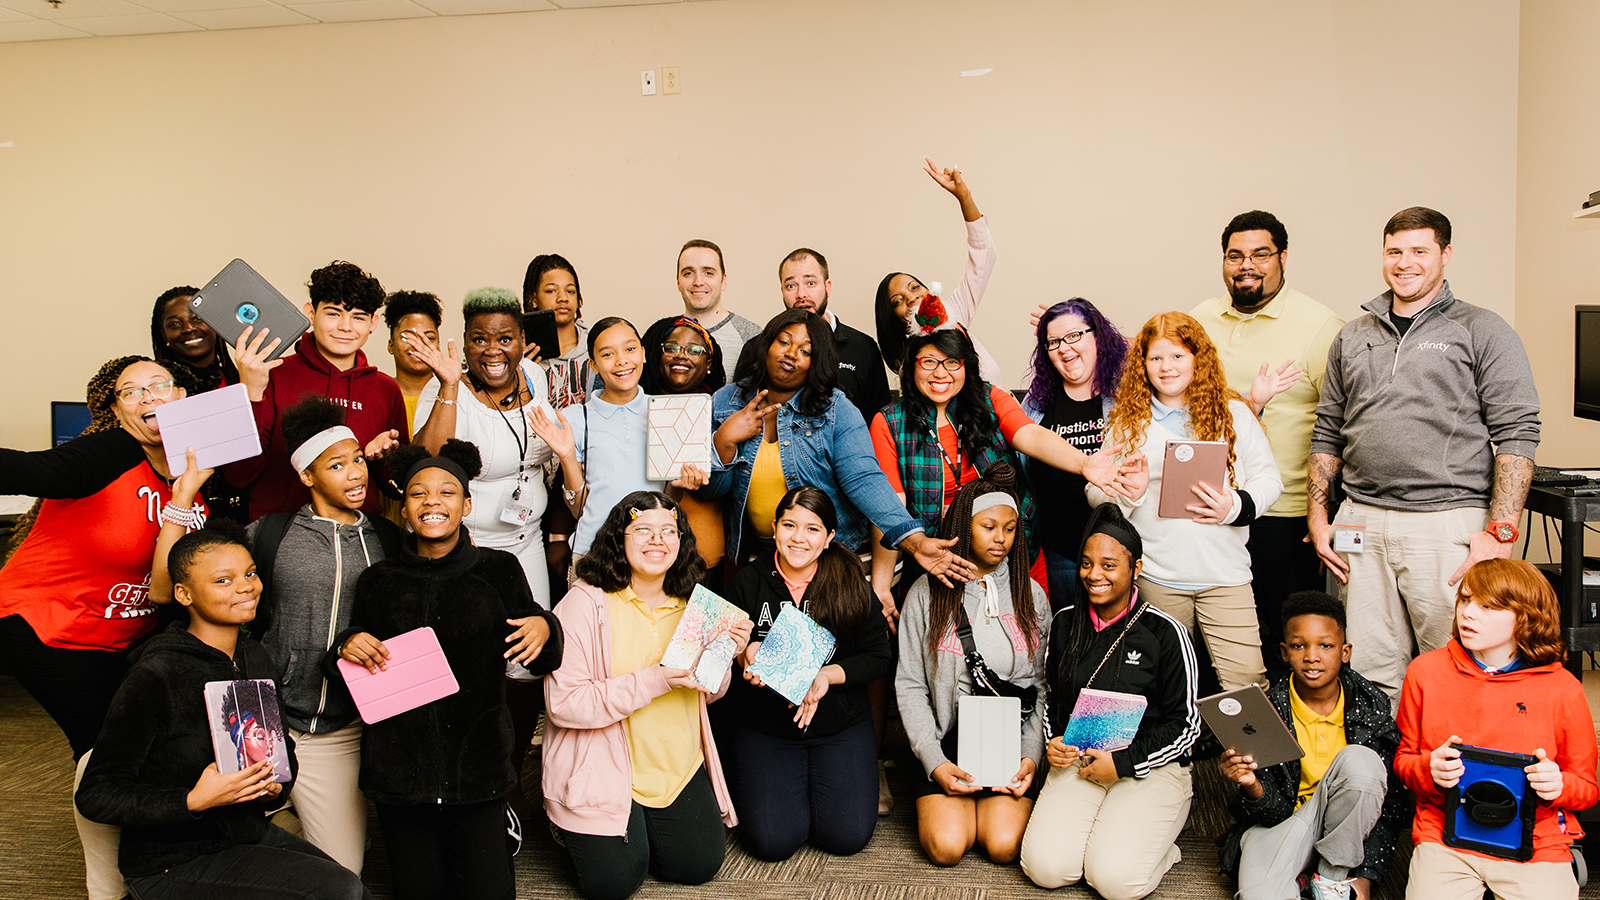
x,y
1256,327
803,278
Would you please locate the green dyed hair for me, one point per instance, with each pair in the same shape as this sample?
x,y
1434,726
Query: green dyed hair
x,y
485,300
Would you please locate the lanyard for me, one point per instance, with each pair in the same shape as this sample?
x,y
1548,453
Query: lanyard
x,y
522,439
955,467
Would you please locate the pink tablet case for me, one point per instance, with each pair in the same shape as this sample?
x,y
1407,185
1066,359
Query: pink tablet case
x,y
217,424
1186,464
417,674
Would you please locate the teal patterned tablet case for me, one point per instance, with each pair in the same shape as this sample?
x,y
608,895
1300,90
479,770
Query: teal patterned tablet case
x,y
794,651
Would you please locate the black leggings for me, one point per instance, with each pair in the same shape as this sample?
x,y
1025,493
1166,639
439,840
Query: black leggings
x,y
438,851
683,843
278,866
74,686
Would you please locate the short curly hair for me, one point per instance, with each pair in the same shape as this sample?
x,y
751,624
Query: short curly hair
x,y
309,417
344,284
486,300
405,303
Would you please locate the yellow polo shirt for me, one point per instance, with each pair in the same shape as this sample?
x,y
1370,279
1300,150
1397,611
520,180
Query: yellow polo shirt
x,y
664,736
1322,737
1291,325
767,487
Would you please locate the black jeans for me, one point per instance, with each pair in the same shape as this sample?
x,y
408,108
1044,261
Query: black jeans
x,y
439,851
683,843
1281,563
74,686
788,789
279,867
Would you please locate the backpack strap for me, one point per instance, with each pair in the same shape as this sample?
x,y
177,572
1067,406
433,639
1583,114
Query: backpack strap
x,y
264,549
389,535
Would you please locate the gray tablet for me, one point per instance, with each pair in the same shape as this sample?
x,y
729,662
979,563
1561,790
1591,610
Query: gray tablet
x,y
1244,720
239,298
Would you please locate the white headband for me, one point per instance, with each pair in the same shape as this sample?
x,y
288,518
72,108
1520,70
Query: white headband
x,y
307,453
993,499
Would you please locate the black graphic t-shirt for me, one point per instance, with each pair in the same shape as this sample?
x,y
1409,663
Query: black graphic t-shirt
x,y
1063,509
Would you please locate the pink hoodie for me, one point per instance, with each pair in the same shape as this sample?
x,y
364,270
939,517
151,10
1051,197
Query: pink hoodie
x,y
588,778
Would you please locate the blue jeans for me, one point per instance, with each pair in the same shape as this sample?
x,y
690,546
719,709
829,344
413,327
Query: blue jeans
x,y
280,867
788,789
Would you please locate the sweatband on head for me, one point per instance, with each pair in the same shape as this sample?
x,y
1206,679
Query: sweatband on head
x,y
1127,537
307,453
440,462
993,499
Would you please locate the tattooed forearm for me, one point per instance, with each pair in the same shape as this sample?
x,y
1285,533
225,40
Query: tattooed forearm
x,y
1512,476
1321,471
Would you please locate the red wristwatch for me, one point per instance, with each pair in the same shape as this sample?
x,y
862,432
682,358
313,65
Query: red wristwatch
x,y
1504,532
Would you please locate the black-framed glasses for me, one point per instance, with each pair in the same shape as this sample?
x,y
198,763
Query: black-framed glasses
x,y
950,363
693,351
1071,337
1235,258
135,395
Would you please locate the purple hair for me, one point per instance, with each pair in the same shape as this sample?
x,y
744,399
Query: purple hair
x,y
1111,352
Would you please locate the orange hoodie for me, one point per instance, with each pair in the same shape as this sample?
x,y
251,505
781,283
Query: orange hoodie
x,y
1521,711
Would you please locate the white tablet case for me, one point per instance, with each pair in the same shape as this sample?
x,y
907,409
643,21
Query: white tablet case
x,y
989,743
218,424
680,433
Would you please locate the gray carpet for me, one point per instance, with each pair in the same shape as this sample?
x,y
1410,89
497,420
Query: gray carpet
x,y
40,856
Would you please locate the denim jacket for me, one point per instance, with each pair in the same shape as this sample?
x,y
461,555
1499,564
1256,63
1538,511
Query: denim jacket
x,y
832,452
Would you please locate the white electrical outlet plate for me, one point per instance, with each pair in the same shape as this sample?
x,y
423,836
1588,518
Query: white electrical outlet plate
x,y
647,81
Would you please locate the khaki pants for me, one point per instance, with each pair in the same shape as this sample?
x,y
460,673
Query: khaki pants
x,y
326,797
100,845
1399,599
1441,873
1119,838
1227,617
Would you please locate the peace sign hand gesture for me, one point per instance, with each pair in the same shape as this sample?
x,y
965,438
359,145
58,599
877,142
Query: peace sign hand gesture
x,y
743,425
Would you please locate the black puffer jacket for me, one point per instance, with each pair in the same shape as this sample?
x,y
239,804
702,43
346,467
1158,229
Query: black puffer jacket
x,y
153,747
1366,722
455,750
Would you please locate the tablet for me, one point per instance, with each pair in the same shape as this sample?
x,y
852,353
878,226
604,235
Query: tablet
x,y
539,327
219,425
1244,720
989,739
239,298
1186,464
417,674
1490,810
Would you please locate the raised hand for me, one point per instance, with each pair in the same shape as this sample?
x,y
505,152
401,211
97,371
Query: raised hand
x,y
1270,382
748,422
385,443
250,358
557,434
446,365
188,484
950,179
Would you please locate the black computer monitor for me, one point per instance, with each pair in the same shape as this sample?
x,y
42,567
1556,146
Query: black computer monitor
x,y
1586,364
67,420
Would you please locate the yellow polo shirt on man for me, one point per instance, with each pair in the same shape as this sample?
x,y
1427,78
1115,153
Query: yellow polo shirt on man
x,y
1321,737
1290,325
664,736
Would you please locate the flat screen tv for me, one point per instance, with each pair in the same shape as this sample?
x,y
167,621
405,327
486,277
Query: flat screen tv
x,y
1586,364
68,420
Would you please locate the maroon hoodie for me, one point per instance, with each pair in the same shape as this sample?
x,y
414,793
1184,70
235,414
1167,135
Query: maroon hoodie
x,y
372,402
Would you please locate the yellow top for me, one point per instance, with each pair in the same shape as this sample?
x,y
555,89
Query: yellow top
x,y
664,736
1322,737
1291,325
411,412
767,487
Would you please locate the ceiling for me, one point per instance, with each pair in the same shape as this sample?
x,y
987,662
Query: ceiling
x,y
39,20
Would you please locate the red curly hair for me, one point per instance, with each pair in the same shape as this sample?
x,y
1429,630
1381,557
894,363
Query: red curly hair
x,y
1208,395
1519,586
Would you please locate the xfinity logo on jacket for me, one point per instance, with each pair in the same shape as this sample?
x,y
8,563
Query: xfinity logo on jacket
x,y
1432,345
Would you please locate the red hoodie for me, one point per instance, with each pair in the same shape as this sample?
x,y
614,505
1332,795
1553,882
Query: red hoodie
x,y
1520,711
372,402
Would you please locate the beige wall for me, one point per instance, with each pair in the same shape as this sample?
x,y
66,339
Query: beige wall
x,y
1109,146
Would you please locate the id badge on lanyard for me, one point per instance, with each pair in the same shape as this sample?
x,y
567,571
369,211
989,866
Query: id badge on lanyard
x,y
517,510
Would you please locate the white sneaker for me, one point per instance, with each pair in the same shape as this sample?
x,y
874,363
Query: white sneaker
x,y
1328,889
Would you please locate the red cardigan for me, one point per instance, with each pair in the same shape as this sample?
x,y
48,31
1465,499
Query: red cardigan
x,y
1521,711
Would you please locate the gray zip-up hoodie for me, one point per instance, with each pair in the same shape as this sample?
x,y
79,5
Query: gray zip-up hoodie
x,y
1418,420
928,685
313,589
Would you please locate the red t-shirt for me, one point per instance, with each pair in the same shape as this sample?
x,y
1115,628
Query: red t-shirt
x,y
81,579
1012,420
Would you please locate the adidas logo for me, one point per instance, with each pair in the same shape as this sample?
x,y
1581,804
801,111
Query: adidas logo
x,y
1133,657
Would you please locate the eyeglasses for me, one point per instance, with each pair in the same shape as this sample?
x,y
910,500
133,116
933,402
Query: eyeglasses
x,y
1071,337
1234,257
950,364
135,395
642,535
694,351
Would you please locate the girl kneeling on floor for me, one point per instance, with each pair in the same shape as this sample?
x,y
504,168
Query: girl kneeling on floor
x,y
632,780
1110,817
944,631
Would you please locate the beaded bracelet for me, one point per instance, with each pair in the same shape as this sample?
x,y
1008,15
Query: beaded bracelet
x,y
192,518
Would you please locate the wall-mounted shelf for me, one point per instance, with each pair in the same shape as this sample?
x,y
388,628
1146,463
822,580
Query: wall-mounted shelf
x,y
1590,213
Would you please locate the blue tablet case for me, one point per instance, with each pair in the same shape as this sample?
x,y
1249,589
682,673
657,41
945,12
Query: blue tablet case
x,y
1490,809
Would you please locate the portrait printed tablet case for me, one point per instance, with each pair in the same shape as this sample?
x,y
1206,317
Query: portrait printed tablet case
x,y
989,739
793,652
238,298
246,726
417,673
1243,719
1490,809
1186,464
218,424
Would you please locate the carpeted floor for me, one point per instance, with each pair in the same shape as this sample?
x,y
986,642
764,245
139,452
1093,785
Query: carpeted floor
x,y
40,856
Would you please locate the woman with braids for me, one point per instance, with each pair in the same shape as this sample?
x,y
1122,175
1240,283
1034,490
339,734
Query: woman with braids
x,y
1198,568
681,357
632,779
1110,817
440,773
807,771
994,624
1077,364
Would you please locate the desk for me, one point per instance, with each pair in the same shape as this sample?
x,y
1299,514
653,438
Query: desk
x,y
1573,508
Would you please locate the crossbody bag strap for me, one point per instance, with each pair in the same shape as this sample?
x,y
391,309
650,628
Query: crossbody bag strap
x,y
1116,643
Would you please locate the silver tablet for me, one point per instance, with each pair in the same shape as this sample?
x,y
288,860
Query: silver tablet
x,y
239,298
